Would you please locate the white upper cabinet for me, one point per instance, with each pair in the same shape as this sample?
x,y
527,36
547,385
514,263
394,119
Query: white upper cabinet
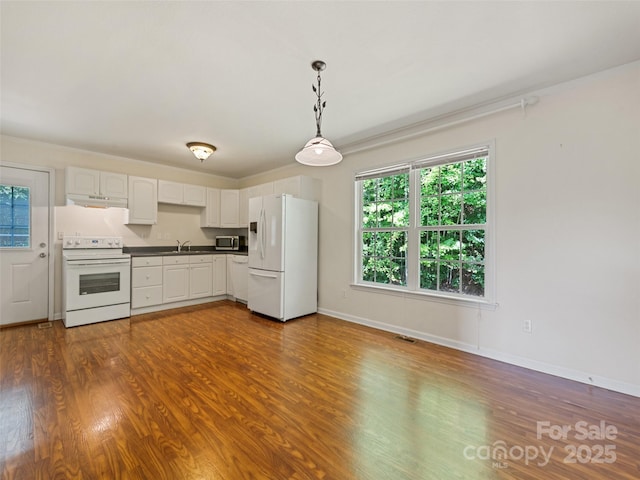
x,y
85,181
143,201
170,192
181,194
114,185
243,206
261,190
229,208
195,195
300,186
210,214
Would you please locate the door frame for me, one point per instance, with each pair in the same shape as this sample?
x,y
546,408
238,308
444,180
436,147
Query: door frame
x,y
50,250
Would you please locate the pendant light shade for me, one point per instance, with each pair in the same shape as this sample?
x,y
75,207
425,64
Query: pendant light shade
x,y
318,152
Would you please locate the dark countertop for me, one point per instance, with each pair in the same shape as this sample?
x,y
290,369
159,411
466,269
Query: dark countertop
x,y
172,250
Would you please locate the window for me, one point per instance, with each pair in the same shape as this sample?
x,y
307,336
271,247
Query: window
x,y
15,220
423,226
385,221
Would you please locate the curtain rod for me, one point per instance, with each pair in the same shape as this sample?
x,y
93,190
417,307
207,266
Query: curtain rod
x,y
522,103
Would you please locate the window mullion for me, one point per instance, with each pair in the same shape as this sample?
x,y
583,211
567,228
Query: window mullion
x,y
413,235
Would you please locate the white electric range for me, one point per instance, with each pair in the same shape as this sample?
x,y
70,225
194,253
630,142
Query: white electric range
x,y
96,280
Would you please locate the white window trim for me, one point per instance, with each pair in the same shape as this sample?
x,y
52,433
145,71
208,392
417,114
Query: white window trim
x,y
412,290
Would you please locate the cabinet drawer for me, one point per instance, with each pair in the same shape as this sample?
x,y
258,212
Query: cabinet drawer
x,y
146,261
175,260
200,258
146,296
146,276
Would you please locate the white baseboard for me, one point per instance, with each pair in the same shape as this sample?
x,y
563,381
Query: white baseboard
x,y
567,373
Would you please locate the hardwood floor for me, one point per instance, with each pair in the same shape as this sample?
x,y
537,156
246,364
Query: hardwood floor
x,y
215,392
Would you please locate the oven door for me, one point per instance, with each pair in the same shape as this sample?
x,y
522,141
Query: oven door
x,y
97,283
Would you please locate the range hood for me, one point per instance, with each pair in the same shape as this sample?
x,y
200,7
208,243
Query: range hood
x,y
95,201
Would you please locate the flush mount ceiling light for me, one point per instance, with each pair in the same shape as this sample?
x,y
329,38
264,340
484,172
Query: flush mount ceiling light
x,y
201,150
318,152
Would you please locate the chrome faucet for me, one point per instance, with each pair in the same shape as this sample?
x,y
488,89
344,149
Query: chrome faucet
x,y
184,244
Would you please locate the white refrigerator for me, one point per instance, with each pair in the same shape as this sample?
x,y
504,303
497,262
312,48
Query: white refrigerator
x,y
283,256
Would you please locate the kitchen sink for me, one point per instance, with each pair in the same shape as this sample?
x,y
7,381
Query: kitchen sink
x,y
189,252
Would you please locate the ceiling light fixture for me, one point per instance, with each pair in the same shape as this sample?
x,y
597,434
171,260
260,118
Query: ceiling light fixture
x,y
318,152
201,150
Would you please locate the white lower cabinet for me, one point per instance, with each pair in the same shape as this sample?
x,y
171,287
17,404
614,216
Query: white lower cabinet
x,y
200,276
220,274
168,281
175,281
186,277
146,281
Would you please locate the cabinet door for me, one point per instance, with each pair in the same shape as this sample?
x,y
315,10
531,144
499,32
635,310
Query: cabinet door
x,y
146,296
195,195
210,215
200,280
243,207
82,181
175,283
220,274
114,185
146,276
261,190
289,185
170,192
143,201
229,208
300,186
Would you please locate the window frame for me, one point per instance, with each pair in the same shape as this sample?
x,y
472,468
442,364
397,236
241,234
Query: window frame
x,y
414,229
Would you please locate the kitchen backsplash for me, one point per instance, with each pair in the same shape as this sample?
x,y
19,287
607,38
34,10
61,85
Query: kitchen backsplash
x,y
174,223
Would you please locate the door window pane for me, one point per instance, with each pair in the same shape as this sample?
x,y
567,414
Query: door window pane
x,y
15,216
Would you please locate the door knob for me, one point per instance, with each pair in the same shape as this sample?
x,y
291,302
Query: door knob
x,y
42,255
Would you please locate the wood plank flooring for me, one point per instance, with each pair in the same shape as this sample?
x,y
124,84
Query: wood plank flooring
x,y
214,392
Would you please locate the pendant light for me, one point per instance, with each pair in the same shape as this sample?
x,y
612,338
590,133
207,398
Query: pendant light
x,y
201,150
318,152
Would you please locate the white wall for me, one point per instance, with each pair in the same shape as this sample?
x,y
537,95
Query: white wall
x,y
567,231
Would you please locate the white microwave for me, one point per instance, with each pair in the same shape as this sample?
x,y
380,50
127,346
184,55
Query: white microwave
x,y
230,242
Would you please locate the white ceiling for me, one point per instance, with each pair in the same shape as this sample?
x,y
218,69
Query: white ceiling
x,y
140,79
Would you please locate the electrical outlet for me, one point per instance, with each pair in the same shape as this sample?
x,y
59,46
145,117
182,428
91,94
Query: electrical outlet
x,y
526,326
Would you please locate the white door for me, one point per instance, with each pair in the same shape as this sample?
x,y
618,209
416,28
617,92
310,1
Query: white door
x,y
24,245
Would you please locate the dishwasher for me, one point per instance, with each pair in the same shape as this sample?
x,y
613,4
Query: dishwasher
x,y
238,268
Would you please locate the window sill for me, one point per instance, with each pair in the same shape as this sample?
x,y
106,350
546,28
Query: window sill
x,y
434,297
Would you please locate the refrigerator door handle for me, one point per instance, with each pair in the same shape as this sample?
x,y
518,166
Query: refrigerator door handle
x,y
265,275
263,234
